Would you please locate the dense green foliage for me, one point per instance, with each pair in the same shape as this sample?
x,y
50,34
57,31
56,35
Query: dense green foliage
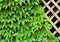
x,y
23,21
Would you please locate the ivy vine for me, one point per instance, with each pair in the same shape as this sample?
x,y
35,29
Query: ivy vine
x,y
24,21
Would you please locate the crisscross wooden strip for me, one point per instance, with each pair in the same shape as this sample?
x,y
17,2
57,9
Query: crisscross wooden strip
x,y
51,17
55,4
56,22
48,2
55,27
47,12
54,32
51,11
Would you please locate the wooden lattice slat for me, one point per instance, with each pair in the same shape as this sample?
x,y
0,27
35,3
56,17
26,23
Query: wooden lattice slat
x,y
52,8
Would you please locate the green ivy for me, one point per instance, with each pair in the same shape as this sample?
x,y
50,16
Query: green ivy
x,y
24,21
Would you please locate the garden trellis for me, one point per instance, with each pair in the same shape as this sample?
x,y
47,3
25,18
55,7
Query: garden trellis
x,y
52,10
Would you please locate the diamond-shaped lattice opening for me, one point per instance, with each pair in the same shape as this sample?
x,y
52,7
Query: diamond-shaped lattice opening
x,y
57,34
54,19
55,0
58,24
49,14
46,9
46,0
51,4
55,9
58,14
52,29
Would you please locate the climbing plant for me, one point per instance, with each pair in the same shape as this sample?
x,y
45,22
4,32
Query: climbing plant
x,y
24,21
